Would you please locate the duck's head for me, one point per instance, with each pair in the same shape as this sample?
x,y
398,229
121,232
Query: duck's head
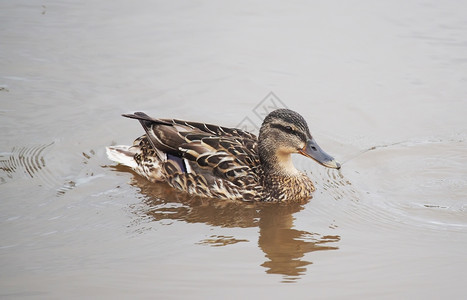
x,y
284,132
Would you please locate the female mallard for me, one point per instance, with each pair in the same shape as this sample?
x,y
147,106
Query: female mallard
x,y
219,162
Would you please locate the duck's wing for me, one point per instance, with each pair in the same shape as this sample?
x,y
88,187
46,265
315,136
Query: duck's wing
x,y
222,157
211,151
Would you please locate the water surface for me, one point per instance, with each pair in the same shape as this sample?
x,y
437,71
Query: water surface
x,y
382,85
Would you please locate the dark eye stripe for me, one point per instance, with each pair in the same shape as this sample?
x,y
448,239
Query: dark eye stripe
x,y
289,130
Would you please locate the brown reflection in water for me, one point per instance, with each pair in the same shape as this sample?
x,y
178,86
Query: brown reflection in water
x,y
284,246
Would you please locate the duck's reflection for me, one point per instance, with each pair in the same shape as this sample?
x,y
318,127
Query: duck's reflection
x,y
284,246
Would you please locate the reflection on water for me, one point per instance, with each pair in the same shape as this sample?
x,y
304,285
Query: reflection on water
x,y
284,247
221,240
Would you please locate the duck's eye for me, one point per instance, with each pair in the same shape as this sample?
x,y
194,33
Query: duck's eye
x,y
289,129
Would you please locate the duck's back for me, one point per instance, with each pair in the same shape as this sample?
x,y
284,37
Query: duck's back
x,y
198,158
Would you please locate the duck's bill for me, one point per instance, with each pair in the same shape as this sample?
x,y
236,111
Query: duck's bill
x,y
313,151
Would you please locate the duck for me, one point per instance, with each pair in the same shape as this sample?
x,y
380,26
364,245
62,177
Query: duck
x,y
214,161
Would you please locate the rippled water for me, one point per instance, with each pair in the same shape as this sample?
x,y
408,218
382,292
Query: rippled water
x,y
382,85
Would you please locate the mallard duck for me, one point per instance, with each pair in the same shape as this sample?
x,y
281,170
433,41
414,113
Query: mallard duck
x,y
220,162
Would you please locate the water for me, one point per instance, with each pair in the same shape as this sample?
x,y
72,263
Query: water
x,y
382,85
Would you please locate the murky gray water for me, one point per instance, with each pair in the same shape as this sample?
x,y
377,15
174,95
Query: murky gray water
x,y
382,85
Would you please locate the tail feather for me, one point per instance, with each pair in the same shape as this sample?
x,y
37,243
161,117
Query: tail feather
x,y
145,118
161,134
122,154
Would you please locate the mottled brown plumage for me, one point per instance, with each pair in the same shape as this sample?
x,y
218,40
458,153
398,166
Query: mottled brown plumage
x,y
220,162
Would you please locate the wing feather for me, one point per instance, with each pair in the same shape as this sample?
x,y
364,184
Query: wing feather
x,y
212,151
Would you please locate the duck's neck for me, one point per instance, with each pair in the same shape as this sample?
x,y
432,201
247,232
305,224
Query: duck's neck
x,y
273,160
281,180
278,164
286,184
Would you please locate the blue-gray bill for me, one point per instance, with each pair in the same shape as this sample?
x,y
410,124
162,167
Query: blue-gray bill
x,y
314,151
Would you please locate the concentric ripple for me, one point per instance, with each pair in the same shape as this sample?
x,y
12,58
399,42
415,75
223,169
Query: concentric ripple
x,y
31,162
26,161
414,184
